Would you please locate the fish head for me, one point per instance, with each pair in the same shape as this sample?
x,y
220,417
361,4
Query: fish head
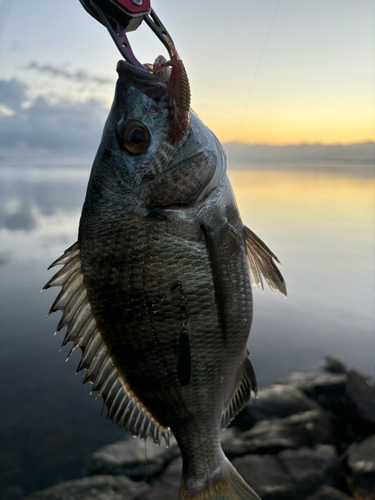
x,y
137,163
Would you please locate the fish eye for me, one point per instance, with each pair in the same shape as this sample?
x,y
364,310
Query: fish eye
x,y
135,137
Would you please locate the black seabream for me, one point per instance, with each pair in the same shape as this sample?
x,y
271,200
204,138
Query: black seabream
x,y
157,289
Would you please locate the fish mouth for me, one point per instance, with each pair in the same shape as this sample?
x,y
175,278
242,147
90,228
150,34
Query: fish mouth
x,y
151,83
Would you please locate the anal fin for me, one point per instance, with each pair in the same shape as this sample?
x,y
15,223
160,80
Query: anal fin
x,y
241,394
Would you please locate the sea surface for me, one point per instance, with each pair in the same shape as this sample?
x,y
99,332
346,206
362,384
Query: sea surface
x,y
318,219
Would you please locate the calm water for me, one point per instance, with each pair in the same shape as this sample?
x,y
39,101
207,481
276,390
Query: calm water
x,y
320,222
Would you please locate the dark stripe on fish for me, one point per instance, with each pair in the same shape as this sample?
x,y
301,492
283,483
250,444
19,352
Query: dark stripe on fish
x,y
184,354
184,358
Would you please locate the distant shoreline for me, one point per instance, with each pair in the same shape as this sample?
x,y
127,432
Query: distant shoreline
x,y
260,153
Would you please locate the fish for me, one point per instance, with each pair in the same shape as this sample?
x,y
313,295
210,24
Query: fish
x,y
157,291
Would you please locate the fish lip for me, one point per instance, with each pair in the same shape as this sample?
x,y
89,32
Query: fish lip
x,y
153,86
124,69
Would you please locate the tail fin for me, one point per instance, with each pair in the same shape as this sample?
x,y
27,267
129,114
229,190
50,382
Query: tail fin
x,y
224,484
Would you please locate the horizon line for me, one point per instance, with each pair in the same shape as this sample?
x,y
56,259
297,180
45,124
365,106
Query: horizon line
x,y
362,143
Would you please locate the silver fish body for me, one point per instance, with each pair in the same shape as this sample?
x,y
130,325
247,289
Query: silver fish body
x,y
165,303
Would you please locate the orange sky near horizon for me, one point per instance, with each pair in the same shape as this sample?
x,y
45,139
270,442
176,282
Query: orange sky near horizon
x,y
293,131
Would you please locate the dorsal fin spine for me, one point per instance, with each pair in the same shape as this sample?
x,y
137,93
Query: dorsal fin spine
x,y
91,349
103,373
116,404
67,255
116,417
124,408
80,320
107,384
112,393
95,365
80,337
71,309
71,286
60,278
128,412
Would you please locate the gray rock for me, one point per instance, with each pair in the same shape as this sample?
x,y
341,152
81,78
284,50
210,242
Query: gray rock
x,y
134,458
328,493
276,401
328,390
290,475
305,429
168,485
361,465
272,436
361,394
334,365
268,476
310,468
93,488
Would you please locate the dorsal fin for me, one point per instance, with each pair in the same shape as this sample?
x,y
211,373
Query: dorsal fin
x,y
261,263
124,407
241,394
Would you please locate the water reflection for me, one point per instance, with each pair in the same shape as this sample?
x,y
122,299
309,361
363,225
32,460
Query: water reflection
x,y
320,223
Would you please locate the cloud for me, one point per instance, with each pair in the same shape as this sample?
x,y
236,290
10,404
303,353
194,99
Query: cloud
x,y
21,220
64,126
12,93
79,76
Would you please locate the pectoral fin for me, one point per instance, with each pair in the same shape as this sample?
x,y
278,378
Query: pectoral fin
x,y
261,263
217,240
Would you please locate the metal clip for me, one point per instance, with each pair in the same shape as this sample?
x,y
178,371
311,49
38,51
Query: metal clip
x,y
123,16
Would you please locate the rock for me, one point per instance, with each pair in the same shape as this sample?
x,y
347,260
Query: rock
x,y
267,475
168,485
361,394
290,475
310,468
131,458
334,365
272,436
328,390
276,401
328,493
361,468
93,488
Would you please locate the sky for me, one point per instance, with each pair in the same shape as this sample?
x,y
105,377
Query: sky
x,y
268,72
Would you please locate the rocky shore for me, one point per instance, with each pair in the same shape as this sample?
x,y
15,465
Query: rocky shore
x,y
310,436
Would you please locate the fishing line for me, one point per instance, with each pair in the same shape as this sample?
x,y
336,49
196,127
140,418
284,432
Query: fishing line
x,y
257,66
146,462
